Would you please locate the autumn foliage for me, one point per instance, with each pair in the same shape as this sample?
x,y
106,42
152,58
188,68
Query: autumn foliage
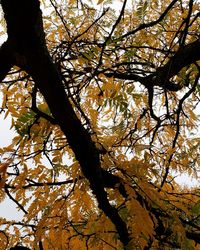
x,y
105,114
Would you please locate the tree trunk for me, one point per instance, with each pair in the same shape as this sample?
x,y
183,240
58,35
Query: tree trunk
x,y
25,32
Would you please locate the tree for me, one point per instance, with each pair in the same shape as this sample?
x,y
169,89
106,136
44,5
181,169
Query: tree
x,y
105,114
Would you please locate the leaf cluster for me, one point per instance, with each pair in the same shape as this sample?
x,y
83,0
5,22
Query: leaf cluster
x,y
135,88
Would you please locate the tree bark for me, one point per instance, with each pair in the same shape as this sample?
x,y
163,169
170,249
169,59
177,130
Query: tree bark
x,y
25,32
26,48
185,56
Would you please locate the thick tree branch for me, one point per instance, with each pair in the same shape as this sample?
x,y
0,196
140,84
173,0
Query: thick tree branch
x,y
48,81
26,48
193,236
6,59
185,56
37,62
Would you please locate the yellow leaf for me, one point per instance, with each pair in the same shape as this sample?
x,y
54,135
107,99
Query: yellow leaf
x,y
100,1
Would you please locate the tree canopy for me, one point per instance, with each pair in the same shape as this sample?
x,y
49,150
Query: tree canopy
x,y
104,101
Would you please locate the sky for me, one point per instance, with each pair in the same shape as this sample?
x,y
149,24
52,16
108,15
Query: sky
x,y
7,207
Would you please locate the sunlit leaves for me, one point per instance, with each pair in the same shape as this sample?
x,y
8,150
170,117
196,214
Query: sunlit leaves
x,y
24,122
145,141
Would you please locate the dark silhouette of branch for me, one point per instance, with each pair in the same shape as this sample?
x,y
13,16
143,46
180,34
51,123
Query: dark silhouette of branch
x,y
26,48
185,56
6,56
31,55
14,200
18,247
179,110
150,24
